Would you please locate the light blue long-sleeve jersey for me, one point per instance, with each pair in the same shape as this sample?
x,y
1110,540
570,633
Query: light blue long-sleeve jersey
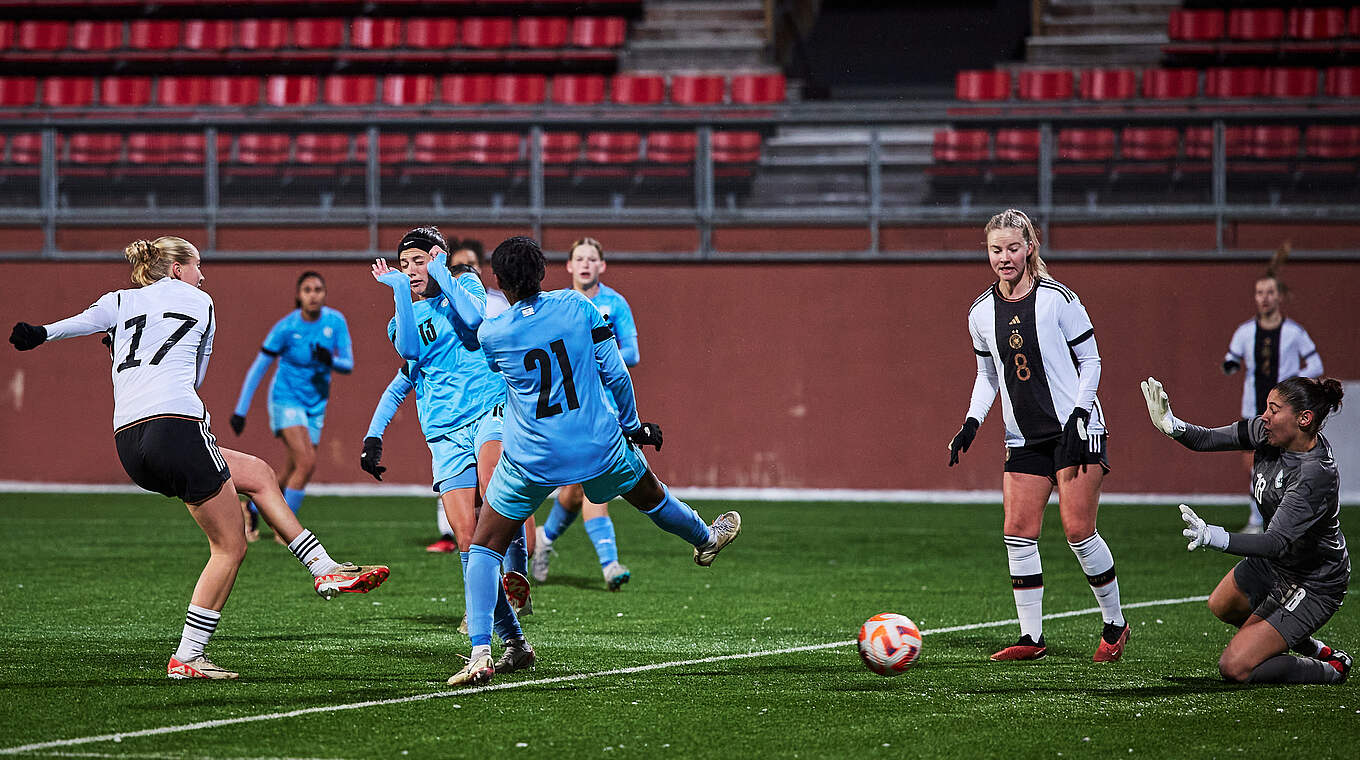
x,y
619,315
300,380
561,363
392,397
453,383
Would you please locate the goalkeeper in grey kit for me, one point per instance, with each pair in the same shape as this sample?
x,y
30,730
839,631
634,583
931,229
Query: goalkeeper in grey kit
x,y
1294,575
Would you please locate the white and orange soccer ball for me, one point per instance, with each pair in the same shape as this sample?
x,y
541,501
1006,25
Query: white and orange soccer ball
x,y
889,643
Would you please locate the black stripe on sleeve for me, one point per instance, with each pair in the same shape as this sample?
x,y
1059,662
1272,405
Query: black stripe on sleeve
x,y
1310,354
602,334
981,353
267,352
1080,339
1244,433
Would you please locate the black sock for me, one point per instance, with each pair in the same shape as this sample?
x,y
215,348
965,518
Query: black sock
x,y
1285,668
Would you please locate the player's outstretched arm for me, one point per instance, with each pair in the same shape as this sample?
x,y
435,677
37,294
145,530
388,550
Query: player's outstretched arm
x,y
405,339
1234,437
98,318
254,375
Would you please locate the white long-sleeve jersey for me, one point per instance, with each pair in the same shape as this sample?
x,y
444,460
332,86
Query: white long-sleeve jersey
x,y
1269,356
162,338
1044,348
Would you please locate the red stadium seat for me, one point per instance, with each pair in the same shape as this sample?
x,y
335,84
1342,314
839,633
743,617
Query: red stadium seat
x,y
982,85
671,147
6,37
350,90
1195,25
408,89
1148,143
1233,82
1255,24
262,149
148,34
578,89
182,91
318,33
1017,145
1274,142
1332,141
18,91
1292,82
441,147
961,145
375,33
1085,144
479,32
1199,142
165,148
321,148
758,89
431,33
67,92
262,33
494,147
25,148
1045,85
234,91
736,147
1108,84
126,92
290,91
466,89
1317,23
639,89
44,36
95,147
598,31
697,89
560,147
613,147
1170,84
216,34
519,89
97,36
1343,82
1353,23
392,147
541,31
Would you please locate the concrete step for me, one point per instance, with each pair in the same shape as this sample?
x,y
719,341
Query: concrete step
x,y
1103,25
680,11
1094,49
692,59
1077,8
721,33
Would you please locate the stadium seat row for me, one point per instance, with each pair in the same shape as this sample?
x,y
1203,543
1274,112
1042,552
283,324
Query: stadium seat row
x,y
392,90
1160,84
270,149
1261,24
1149,143
135,7
364,33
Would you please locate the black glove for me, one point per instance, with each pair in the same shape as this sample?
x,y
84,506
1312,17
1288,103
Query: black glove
x,y
371,456
323,355
107,340
457,269
1076,440
647,435
238,423
963,439
26,337
1230,366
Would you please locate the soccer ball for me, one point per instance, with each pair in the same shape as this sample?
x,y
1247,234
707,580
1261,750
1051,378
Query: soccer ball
x,y
889,643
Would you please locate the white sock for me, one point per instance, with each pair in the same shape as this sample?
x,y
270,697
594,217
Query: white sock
x,y
1027,583
199,624
442,519
309,551
1098,564
483,650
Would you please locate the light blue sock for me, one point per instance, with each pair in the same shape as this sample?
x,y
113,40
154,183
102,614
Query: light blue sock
x,y
517,555
253,509
464,557
479,592
601,532
675,516
294,498
559,519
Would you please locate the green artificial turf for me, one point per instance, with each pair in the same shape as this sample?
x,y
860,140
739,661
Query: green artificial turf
x,y
95,587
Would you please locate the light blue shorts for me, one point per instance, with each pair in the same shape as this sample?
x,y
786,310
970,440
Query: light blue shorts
x,y
286,415
454,455
515,496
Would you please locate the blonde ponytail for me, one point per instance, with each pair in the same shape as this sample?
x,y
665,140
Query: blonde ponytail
x,y
1015,219
151,259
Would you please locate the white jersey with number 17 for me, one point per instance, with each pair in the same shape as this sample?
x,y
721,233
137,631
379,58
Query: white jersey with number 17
x,y
162,338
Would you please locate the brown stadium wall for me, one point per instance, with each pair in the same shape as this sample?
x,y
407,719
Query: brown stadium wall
x,y
790,375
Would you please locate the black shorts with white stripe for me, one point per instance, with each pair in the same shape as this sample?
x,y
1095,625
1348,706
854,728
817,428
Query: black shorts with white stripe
x,y
1046,458
172,455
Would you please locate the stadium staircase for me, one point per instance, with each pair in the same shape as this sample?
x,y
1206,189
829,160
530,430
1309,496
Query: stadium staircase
x,y
1099,32
699,34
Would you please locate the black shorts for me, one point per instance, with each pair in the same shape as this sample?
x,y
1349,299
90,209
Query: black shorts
x,y
172,455
1046,458
1297,612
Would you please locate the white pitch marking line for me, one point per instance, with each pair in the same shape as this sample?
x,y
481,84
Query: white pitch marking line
x,y
118,737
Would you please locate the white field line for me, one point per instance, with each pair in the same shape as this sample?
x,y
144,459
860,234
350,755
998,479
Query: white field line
x,y
118,737
163,756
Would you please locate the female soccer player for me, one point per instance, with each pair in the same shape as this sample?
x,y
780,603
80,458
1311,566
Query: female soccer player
x,y
458,398
1269,348
310,342
559,359
586,264
161,335
1027,330
1296,573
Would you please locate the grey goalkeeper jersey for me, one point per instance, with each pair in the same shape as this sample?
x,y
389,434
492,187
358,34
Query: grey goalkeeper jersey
x,y
1297,494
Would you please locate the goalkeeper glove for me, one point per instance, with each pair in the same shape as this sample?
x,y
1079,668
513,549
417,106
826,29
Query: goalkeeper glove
x,y
323,355
1201,533
26,337
1159,408
1230,366
647,435
963,439
238,423
372,456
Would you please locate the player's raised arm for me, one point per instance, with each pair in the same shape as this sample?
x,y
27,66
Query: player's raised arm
x,y
99,317
466,295
1237,436
404,338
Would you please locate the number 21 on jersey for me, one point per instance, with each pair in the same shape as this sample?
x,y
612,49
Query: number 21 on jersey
x,y
539,358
